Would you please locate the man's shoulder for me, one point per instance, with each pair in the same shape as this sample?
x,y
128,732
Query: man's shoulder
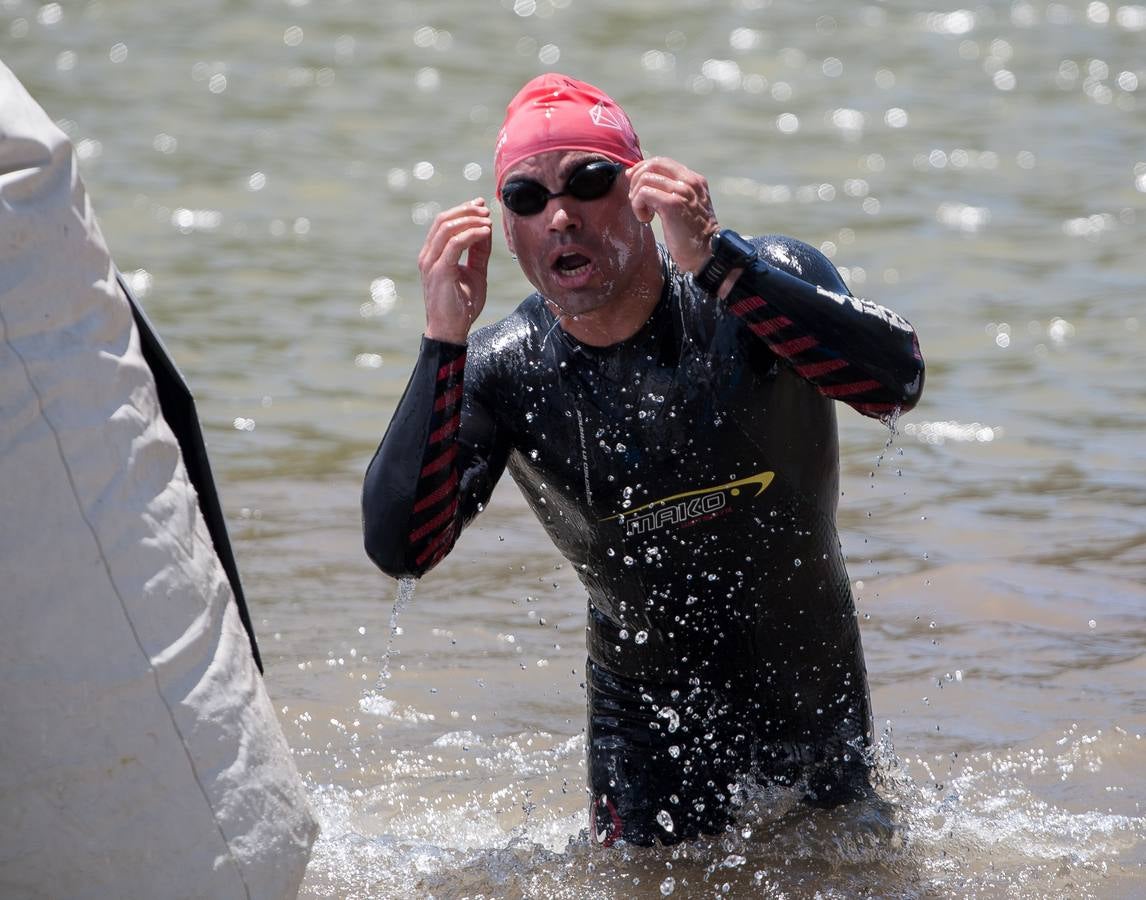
x,y
800,259
513,338
517,327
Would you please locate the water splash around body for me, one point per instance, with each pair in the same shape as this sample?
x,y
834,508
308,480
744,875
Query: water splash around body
x,y
961,826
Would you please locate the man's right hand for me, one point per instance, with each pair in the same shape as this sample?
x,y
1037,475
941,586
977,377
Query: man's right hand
x,y
454,291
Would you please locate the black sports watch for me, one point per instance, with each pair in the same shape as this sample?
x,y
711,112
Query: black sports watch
x,y
729,251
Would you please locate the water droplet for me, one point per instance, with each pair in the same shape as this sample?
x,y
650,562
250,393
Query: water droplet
x,y
665,821
1092,623
797,563
668,885
674,751
641,637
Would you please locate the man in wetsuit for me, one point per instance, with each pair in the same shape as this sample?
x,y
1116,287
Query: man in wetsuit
x,y
667,412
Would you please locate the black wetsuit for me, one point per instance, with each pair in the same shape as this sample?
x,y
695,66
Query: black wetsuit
x,y
690,474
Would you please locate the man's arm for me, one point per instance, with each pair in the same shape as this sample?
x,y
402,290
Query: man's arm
x,y
851,349
439,460
435,468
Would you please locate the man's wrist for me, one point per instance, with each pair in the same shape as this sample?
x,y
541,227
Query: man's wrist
x,y
447,335
706,258
729,283
731,253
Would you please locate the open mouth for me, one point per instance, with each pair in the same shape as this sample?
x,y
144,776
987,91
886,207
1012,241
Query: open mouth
x,y
571,264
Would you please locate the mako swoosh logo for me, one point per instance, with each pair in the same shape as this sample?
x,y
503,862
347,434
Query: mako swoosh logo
x,y
687,505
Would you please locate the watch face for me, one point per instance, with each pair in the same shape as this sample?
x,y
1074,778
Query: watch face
x,y
729,251
735,248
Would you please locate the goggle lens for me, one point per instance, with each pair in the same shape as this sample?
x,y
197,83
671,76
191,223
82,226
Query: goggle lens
x,y
525,197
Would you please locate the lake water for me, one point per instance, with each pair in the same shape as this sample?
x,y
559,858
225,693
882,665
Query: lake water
x,y
265,172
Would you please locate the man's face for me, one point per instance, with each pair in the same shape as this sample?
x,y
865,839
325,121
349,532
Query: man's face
x,y
579,254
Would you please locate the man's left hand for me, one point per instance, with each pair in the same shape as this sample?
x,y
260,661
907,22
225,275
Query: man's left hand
x,y
660,186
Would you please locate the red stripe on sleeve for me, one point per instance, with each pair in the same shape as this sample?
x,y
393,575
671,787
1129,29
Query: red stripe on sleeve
x,y
446,430
448,397
846,390
452,368
797,345
747,305
440,462
435,523
769,326
875,409
815,370
438,495
438,546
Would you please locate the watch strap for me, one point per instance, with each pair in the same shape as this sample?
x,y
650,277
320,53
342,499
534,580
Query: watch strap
x,y
729,251
713,273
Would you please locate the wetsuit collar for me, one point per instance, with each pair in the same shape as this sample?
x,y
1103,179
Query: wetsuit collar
x,y
669,273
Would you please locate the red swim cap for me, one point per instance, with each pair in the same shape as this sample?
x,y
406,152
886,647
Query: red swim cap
x,y
556,112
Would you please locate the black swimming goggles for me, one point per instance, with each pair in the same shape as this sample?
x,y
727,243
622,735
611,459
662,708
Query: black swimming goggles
x,y
526,197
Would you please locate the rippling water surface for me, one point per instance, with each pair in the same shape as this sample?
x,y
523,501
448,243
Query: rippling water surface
x,y
266,172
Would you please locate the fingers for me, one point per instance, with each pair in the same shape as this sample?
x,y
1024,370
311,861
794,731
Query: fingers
x,y
662,197
679,196
662,182
455,231
454,292
479,252
663,187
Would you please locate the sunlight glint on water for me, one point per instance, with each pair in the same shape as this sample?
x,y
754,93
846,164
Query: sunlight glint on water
x,y
980,171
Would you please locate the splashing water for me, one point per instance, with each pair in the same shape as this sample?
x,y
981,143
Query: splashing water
x,y
374,701
974,829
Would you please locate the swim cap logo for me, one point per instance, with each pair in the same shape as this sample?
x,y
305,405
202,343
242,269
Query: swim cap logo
x,y
605,118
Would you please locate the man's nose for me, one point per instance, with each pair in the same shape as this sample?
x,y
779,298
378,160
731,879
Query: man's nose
x,y
563,217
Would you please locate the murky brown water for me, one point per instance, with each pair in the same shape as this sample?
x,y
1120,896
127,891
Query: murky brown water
x,y
266,170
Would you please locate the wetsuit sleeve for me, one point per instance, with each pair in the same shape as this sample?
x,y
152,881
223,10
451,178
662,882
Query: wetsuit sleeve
x,y
435,468
851,349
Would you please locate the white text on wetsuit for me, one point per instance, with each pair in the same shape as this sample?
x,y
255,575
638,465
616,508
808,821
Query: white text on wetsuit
x,y
675,513
895,320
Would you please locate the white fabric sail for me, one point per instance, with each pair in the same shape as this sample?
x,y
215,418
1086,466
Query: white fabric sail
x,y
140,755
